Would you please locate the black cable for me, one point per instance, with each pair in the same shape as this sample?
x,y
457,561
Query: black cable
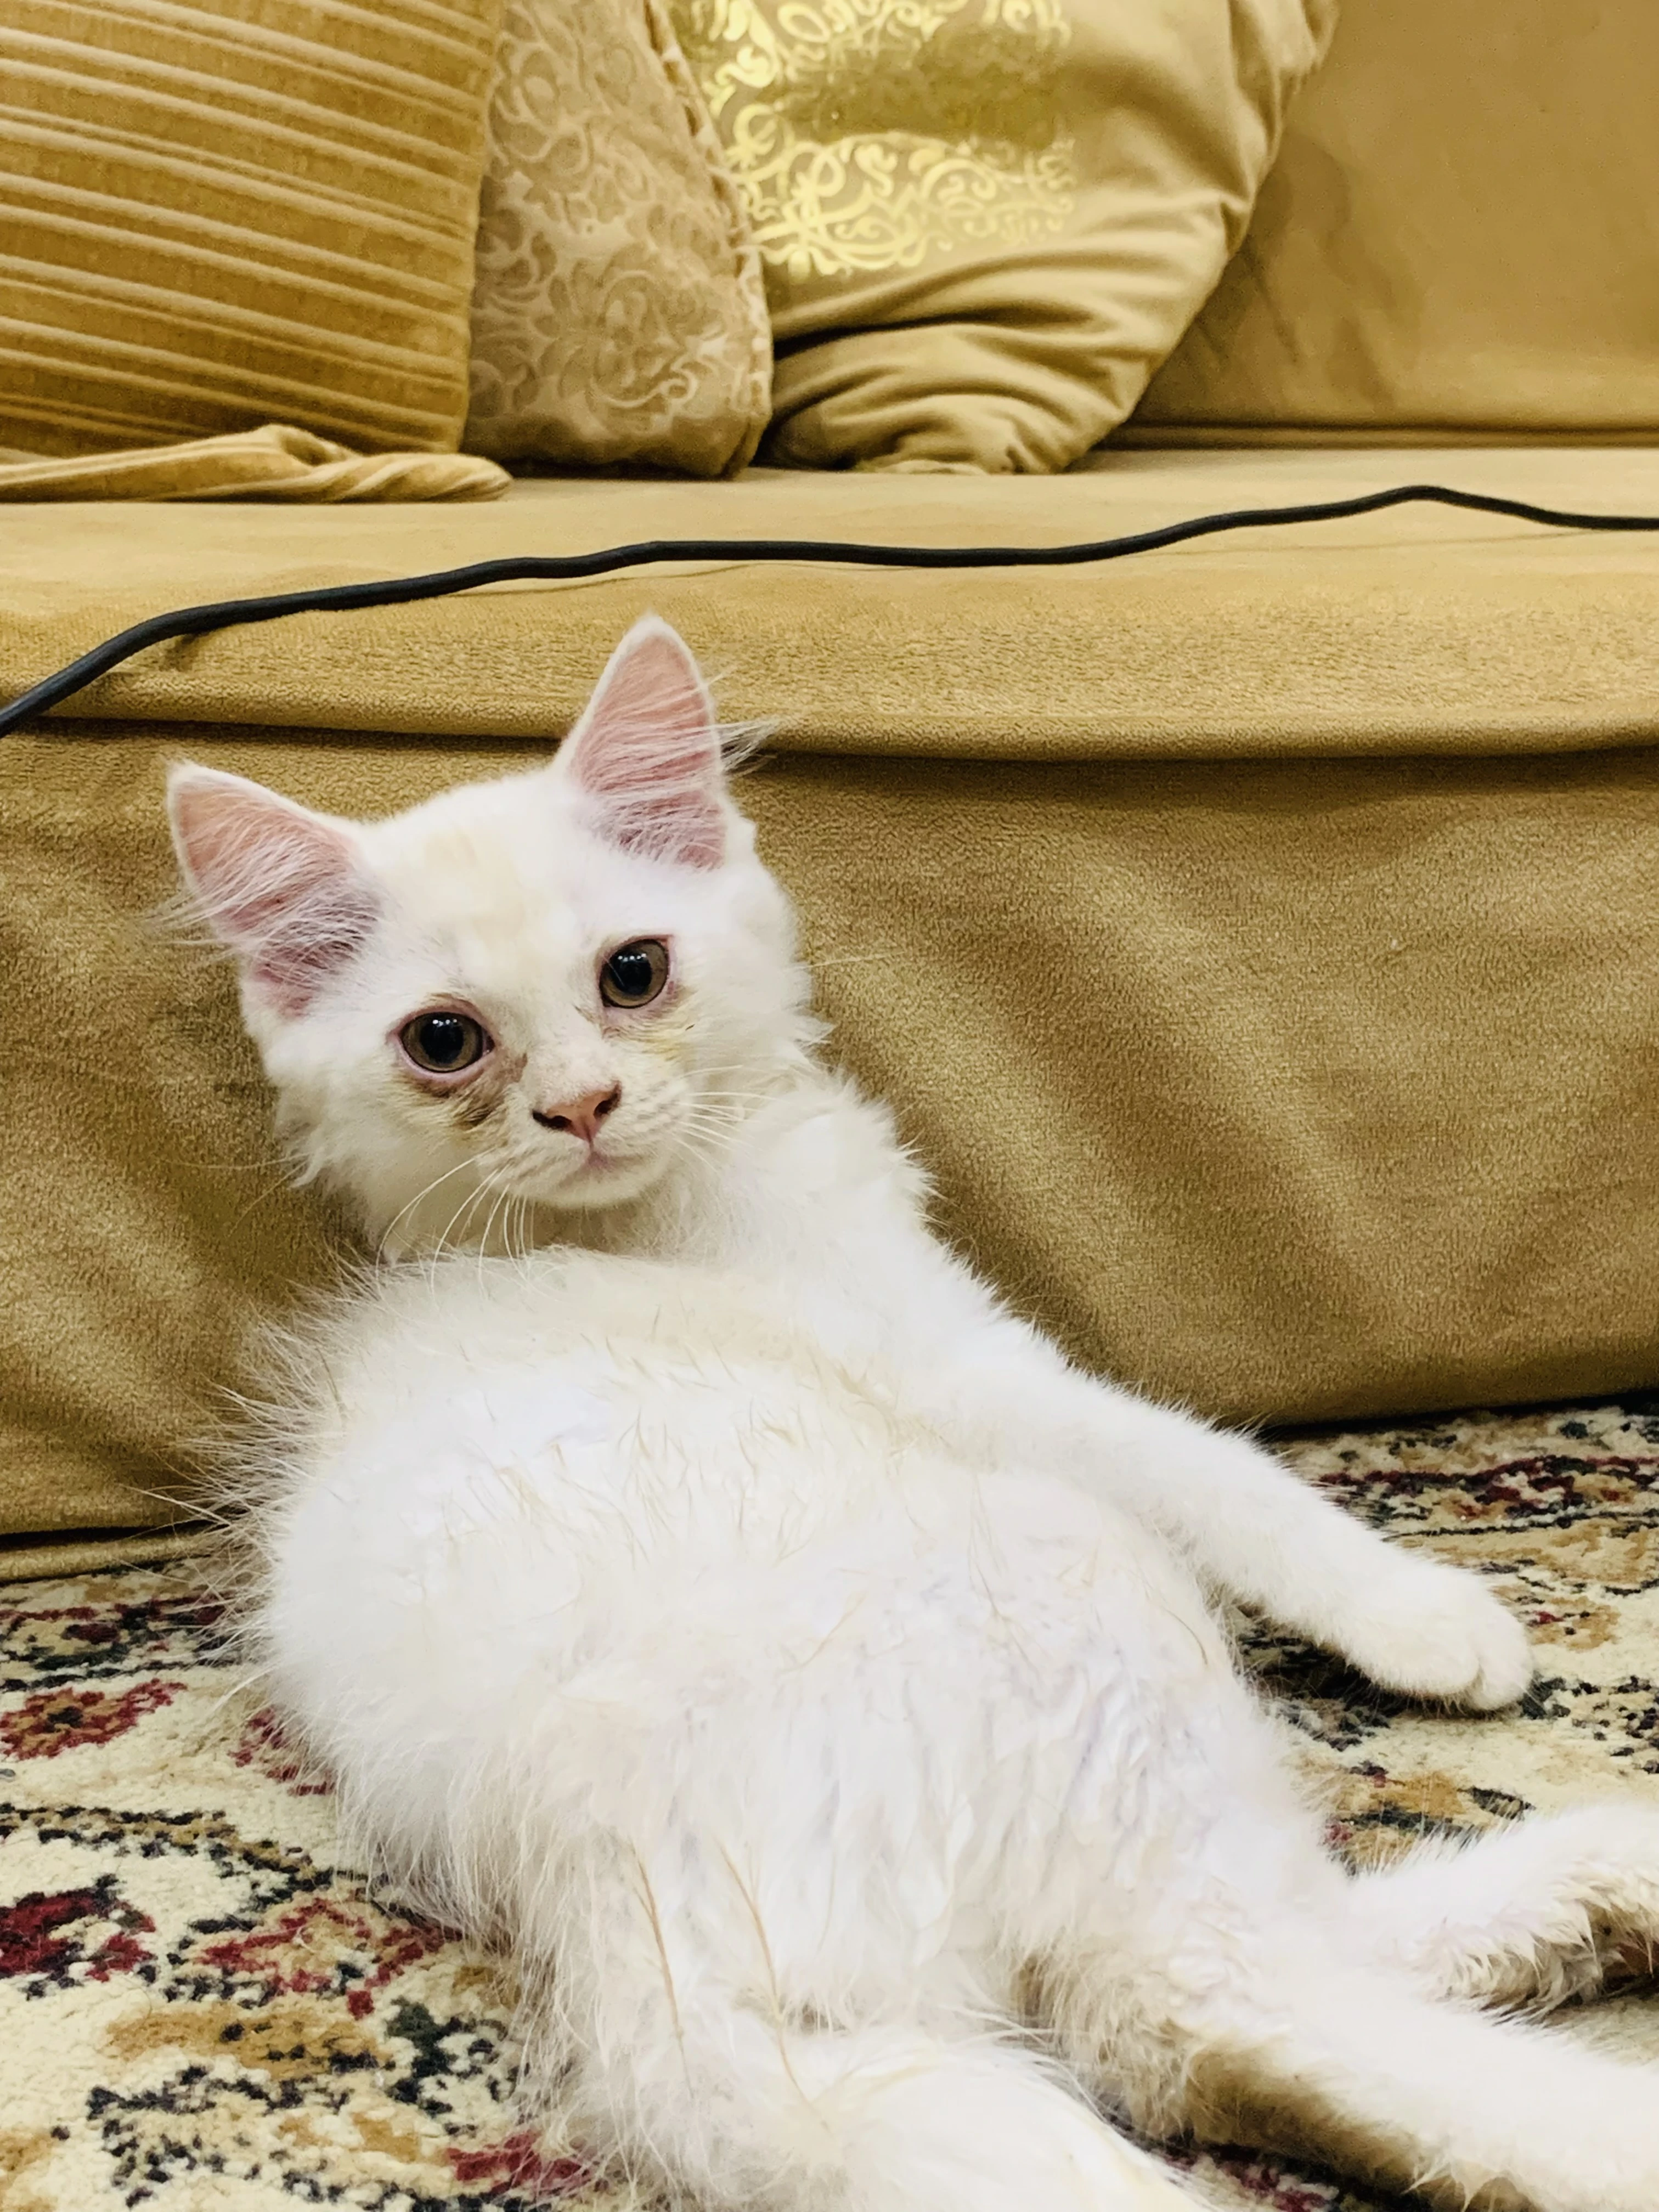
x,y
190,622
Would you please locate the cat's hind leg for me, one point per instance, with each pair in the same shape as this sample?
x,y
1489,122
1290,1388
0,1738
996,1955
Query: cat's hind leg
x,y
1356,2068
1532,1914
698,2081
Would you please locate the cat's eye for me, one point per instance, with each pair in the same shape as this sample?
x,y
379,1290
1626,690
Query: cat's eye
x,y
634,974
443,1043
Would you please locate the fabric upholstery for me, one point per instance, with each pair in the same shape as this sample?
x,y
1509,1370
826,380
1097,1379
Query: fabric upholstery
x,y
618,316
1461,235
1422,630
984,225
238,212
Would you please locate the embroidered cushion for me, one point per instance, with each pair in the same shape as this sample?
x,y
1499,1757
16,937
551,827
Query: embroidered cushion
x,y
618,316
985,222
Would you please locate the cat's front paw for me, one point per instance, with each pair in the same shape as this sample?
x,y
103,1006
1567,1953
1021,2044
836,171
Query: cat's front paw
x,y
1434,1631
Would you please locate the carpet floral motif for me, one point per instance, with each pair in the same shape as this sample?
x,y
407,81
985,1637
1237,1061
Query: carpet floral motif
x,y
201,2006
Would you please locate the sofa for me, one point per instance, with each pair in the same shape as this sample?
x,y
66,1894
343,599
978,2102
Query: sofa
x,y
1254,938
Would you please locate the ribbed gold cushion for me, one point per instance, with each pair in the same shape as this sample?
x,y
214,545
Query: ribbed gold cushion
x,y
243,211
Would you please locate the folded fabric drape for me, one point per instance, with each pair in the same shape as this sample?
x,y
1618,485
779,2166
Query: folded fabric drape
x,y
275,462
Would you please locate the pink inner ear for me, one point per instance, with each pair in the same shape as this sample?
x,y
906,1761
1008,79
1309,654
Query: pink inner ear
x,y
649,750
282,888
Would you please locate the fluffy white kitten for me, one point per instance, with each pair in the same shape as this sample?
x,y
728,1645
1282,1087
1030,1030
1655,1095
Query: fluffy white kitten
x,y
701,1586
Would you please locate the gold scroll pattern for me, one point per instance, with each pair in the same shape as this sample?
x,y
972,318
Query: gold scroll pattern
x,y
867,134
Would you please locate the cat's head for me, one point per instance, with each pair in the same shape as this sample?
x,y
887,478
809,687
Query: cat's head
x,y
556,988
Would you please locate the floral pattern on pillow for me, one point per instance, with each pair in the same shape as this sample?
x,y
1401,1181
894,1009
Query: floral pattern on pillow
x,y
618,315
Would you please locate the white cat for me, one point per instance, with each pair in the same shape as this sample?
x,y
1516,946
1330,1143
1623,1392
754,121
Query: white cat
x,y
701,1586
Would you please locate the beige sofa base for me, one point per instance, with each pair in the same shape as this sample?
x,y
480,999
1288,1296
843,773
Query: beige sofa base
x,y
1291,1089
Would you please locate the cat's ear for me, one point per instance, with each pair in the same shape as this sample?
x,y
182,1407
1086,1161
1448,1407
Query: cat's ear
x,y
287,890
646,752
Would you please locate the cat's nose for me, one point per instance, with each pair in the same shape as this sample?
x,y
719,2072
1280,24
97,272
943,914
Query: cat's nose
x,y
581,1117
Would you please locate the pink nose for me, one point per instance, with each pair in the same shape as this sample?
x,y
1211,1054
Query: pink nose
x,y
582,1116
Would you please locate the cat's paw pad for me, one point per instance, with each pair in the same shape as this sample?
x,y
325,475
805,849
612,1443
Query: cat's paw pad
x,y
1437,1632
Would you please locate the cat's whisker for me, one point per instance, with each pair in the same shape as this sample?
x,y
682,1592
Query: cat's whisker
x,y
409,1204
280,1181
503,1198
512,1216
187,1509
708,1143
717,1117
497,1186
696,1161
711,1150
475,1197
242,1684
526,1243
721,1117
724,1125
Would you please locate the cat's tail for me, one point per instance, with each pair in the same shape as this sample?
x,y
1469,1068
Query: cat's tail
x,y
707,2092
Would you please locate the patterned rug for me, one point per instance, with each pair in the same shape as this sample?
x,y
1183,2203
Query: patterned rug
x,y
200,2006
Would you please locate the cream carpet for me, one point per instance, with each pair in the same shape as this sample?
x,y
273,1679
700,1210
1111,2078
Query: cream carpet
x,y
200,2006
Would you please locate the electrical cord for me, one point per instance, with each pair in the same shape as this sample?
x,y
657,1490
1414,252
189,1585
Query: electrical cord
x,y
192,622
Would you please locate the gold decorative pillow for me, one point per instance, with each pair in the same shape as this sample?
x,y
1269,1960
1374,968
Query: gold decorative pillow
x,y
238,212
618,316
1459,240
985,222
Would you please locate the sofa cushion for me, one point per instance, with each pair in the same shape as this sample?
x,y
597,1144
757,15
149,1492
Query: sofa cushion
x,y
237,213
618,316
1421,629
1461,236
984,225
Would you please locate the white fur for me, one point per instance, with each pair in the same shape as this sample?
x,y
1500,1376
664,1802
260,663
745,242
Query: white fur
x,y
707,1589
